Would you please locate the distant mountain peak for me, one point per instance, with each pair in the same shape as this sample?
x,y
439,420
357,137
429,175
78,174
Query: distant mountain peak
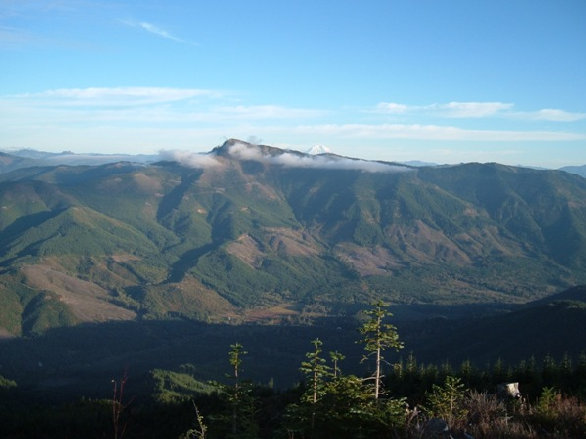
x,y
319,149
241,149
288,158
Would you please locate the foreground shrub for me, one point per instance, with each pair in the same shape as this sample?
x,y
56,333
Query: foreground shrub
x,y
559,416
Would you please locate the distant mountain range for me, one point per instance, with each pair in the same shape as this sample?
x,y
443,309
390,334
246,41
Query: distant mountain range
x,y
23,158
580,170
252,233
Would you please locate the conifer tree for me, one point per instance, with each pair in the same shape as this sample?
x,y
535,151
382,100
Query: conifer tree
x,y
241,402
447,401
377,337
235,359
336,357
315,370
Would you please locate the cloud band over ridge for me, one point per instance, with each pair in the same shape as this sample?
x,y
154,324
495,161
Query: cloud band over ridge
x,y
285,159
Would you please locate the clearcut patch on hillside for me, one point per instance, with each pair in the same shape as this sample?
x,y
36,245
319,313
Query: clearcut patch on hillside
x,y
5,334
277,240
367,261
247,250
87,301
291,242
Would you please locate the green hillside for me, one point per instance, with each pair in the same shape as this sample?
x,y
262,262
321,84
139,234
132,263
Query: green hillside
x,y
260,231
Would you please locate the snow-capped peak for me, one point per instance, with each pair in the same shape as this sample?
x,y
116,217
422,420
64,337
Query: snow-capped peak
x,y
318,149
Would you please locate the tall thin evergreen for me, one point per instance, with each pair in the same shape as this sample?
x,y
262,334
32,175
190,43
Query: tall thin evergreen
x,y
316,370
240,398
336,357
377,337
235,359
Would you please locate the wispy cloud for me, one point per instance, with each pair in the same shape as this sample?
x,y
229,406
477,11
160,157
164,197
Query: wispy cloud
x,y
112,96
477,110
449,110
131,118
471,109
11,37
391,108
47,23
156,30
182,113
254,112
191,159
555,115
436,132
147,105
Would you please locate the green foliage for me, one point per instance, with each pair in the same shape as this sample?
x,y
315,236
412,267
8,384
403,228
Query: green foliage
x,y
336,358
46,311
5,383
172,386
199,432
233,279
315,371
10,311
26,311
547,402
559,416
448,401
449,235
336,405
344,407
171,301
235,358
80,231
378,337
238,419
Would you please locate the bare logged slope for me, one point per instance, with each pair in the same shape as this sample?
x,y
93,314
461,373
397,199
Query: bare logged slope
x,y
87,301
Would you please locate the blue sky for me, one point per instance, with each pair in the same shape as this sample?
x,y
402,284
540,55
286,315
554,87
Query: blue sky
x,y
438,81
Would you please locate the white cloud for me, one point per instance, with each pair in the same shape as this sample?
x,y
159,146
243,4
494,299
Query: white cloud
x,y
287,159
436,132
111,96
556,115
294,159
477,110
255,112
472,109
117,119
156,30
449,110
391,108
180,107
191,159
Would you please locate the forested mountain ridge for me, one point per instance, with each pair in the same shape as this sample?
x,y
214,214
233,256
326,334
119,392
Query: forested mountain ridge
x,y
252,232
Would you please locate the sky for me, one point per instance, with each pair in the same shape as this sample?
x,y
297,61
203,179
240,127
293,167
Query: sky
x,y
442,81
